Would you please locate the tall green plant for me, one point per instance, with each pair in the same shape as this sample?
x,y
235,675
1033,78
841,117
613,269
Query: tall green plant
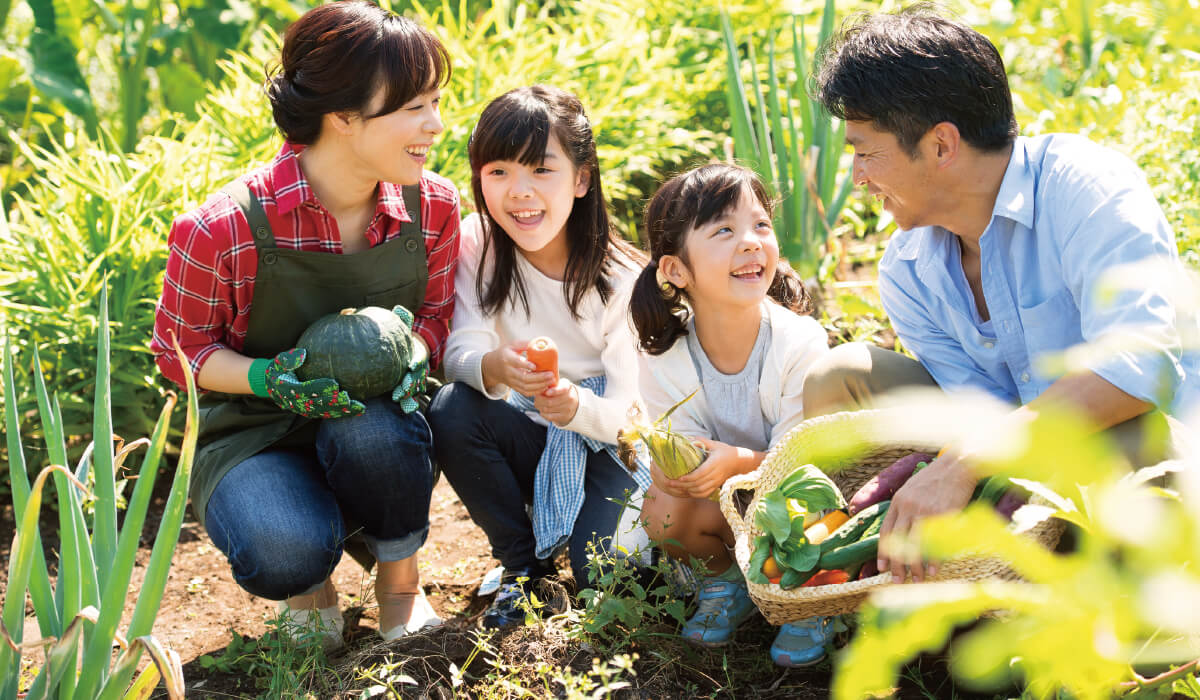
x,y
790,140
79,614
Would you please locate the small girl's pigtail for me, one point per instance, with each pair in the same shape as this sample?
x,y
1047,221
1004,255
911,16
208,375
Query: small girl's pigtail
x,y
659,314
788,290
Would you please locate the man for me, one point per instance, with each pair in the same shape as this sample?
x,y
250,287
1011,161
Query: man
x,y
1002,242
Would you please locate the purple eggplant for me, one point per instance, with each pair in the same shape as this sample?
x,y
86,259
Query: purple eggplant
x,y
885,484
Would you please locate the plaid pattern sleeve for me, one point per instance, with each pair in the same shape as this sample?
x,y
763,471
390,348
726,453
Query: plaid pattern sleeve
x,y
439,221
197,305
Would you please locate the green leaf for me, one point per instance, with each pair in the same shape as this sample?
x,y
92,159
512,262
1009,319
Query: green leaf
x,y
792,578
56,74
800,555
813,487
772,516
758,557
182,87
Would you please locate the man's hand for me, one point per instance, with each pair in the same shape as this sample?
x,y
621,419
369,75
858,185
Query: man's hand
x,y
505,365
558,404
945,486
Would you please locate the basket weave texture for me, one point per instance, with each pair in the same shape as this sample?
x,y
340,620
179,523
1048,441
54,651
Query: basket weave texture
x,y
809,443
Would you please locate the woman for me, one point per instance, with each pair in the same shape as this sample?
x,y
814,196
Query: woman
x,y
286,470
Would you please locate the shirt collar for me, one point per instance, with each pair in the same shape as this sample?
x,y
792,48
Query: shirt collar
x,y
1015,200
292,189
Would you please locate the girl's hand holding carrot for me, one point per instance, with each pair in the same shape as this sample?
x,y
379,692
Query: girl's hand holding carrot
x,y
507,365
559,403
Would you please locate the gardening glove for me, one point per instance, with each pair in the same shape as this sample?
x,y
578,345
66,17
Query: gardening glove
x,y
413,382
316,398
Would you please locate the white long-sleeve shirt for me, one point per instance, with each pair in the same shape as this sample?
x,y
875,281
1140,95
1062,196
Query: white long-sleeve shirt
x,y
599,342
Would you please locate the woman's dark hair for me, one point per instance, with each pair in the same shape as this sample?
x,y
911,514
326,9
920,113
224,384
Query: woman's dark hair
x,y
338,55
909,71
516,127
683,203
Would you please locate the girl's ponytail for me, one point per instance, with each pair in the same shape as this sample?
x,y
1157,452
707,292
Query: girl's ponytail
x,y
788,290
659,314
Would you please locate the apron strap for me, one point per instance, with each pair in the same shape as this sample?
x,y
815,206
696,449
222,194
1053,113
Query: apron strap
x,y
252,209
412,205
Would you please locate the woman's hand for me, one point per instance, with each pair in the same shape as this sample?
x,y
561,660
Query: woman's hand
x,y
723,462
505,365
558,404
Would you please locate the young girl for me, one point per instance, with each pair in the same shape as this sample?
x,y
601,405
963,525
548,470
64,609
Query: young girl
x,y
539,259
286,470
716,309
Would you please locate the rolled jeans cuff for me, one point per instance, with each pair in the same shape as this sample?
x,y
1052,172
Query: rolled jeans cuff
x,y
398,548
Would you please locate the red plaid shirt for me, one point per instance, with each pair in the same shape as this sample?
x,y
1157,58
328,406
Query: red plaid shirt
x,y
211,267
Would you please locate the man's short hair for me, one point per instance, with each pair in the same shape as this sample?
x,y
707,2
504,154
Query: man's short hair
x,y
908,71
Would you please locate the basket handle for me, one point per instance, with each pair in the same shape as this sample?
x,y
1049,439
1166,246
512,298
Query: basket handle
x,y
733,484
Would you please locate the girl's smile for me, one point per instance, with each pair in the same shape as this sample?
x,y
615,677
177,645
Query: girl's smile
x,y
730,259
532,202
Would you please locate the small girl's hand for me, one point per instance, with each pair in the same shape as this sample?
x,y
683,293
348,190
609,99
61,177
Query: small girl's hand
x,y
723,462
558,404
664,484
505,365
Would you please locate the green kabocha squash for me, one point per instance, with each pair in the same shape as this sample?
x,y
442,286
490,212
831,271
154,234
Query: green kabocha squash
x,y
367,350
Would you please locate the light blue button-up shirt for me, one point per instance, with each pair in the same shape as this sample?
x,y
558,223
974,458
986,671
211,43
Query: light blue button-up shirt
x,y
1068,210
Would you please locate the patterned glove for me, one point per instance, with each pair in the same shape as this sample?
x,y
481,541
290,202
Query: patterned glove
x,y
413,383
315,398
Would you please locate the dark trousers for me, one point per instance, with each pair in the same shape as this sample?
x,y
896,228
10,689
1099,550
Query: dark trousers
x,y
489,452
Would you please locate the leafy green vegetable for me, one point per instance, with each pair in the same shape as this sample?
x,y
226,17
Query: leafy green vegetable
x,y
812,486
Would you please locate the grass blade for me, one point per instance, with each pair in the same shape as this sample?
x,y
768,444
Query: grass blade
x,y
104,531
40,590
62,656
96,656
735,93
69,590
155,581
21,560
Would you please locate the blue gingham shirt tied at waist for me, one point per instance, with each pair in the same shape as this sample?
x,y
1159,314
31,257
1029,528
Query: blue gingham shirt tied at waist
x,y
558,482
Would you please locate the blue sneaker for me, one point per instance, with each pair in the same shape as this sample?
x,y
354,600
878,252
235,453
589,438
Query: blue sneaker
x,y
723,605
802,643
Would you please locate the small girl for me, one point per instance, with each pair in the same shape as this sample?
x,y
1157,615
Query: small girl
x,y
539,259
703,315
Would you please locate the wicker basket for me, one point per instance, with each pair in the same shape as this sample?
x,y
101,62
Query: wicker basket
x,y
807,443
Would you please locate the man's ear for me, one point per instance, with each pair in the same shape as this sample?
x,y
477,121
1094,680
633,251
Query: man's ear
x,y
674,271
945,143
583,182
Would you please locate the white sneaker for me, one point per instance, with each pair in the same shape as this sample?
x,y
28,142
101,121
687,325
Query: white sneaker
x,y
423,617
326,623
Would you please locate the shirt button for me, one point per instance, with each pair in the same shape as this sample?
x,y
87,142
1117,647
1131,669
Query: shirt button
x,y
269,258
260,233
1024,377
989,345
411,245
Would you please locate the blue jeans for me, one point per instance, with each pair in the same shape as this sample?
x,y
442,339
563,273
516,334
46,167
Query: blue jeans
x,y
489,452
281,516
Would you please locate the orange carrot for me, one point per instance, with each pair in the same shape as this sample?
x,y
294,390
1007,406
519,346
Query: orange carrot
x,y
543,353
824,527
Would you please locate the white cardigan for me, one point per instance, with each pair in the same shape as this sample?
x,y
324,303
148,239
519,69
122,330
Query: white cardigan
x,y
599,342
796,343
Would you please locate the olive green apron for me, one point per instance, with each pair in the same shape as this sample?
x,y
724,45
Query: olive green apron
x,y
293,288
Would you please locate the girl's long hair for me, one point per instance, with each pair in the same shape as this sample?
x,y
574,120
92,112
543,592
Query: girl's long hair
x,y
516,127
683,203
